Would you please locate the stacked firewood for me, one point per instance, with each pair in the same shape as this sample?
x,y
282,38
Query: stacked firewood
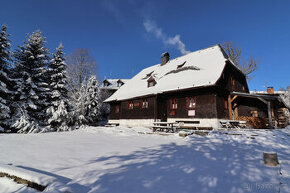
x,y
254,122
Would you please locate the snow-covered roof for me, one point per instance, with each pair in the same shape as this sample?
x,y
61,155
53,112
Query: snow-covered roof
x,y
199,68
113,84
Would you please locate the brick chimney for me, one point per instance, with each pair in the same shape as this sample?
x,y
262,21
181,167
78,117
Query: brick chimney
x,y
164,58
270,90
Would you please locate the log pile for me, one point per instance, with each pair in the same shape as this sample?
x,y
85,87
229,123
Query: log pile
x,y
254,122
282,117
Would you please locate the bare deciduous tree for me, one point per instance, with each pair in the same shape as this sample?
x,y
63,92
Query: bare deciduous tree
x,y
235,53
81,65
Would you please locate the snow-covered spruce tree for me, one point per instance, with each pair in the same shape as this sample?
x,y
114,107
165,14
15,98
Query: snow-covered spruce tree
x,y
59,92
93,105
31,61
6,83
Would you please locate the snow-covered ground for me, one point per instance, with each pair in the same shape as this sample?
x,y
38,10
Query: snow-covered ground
x,y
119,159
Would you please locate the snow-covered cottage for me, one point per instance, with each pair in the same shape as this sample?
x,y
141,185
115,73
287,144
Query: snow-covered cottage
x,y
200,88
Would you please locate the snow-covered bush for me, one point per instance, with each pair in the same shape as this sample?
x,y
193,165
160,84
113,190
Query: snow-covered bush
x,y
23,125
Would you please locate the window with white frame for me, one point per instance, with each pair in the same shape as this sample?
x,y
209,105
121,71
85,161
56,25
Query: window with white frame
x,y
130,105
144,103
191,102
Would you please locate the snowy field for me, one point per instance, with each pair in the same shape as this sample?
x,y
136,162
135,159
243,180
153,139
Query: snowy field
x,y
118,159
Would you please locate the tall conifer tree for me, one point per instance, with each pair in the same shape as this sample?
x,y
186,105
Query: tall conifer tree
x,y
6,94
58,99
31,61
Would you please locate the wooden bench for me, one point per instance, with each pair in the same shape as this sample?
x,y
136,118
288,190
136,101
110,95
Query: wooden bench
x,y
189,122
184,124
112,124
233,124
225,124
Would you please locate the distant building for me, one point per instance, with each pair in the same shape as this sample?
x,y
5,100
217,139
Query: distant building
x,y
112,85
201,88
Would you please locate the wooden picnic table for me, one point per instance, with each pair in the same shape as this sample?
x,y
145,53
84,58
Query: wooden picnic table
x,y
167,126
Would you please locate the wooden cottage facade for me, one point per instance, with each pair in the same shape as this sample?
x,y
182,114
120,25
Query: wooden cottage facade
x,y
199,88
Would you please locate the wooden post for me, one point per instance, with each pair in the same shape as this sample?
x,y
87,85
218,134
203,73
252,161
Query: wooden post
x,y
230,106
269,114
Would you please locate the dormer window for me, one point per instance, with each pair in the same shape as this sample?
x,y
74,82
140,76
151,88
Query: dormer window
x,y
106,83
151,82
120,83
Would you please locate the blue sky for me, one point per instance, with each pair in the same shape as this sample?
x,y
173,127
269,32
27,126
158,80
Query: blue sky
x,y
114,31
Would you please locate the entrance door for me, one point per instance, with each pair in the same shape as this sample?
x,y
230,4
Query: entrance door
x,y
162,109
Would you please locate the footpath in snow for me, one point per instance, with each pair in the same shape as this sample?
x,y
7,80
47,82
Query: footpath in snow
x,y
119,159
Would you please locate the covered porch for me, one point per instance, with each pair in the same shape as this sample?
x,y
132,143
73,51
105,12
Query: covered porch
x,y
270,107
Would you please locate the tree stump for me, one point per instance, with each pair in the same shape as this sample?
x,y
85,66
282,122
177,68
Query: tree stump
x,y
271,159
182,134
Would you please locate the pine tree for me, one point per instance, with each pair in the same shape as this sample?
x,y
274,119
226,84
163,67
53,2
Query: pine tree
x,y
6,83
31,61
58,88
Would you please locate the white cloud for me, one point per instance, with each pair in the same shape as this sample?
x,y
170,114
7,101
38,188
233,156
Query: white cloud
x,y
151,27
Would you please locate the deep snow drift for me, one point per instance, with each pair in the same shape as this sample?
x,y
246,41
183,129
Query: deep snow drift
x,y
119,159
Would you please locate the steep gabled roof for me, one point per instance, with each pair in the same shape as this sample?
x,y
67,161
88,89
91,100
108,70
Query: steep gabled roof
x,y
196,69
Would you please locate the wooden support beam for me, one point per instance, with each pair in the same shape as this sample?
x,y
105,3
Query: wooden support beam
x,y
269,114
230,107
264,101
234,98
